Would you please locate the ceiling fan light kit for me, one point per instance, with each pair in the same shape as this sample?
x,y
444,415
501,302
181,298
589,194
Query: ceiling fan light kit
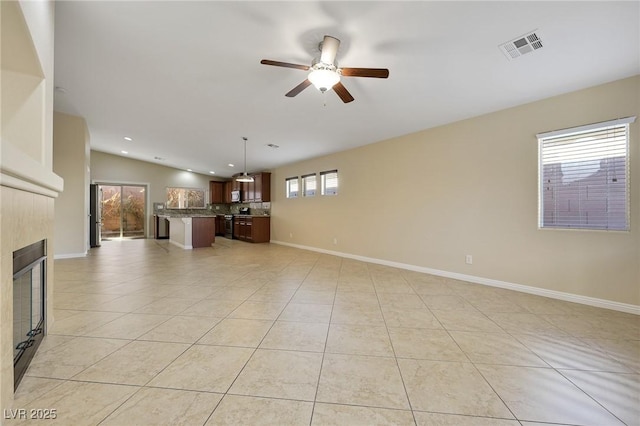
x,y
323,78
325,74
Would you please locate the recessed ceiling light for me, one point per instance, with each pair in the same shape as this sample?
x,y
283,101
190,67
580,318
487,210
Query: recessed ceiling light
x,y
124,152
189,170
230,165
127,138
212,172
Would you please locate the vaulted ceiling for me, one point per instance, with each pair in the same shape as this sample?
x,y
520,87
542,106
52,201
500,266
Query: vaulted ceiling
x,y
184,79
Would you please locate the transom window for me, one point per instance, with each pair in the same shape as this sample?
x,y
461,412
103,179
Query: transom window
x,y
584,177
309,184
291,187
329,182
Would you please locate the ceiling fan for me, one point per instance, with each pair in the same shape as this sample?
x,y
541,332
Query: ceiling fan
x,y
325,74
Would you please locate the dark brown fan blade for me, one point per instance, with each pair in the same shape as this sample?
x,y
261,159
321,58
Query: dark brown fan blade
x,y
365,72
342,92
284,64
299,88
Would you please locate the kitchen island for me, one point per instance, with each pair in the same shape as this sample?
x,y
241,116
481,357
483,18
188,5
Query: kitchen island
x,y
189,232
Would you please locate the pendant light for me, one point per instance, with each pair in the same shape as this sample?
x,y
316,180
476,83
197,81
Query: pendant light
x,y
245,177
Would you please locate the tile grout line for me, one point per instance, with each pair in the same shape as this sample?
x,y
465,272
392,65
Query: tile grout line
x,y
324,351
395,357
257,346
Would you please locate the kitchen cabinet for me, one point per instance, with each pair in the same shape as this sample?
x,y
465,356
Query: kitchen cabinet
x,y
236,227
252,229
228,187
247,191
259,190
220,224
204,231
216,192
262,187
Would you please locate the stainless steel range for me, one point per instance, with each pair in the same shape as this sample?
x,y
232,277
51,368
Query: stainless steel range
x,y
228,226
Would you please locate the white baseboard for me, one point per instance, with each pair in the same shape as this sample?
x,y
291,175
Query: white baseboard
x,y
69,255
569,297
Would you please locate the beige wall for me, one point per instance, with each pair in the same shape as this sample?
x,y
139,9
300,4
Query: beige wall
x,y
28,185
428,199
71,161
116,169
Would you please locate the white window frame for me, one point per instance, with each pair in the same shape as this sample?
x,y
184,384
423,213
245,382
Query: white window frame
x,y
328,190
288,190
309,186
571,195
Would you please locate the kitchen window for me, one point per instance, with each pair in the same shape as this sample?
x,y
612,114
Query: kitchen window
x,y
584,177
329,182
185,198
309,185
291,187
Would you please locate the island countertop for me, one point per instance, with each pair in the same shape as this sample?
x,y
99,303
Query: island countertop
x,y
170,215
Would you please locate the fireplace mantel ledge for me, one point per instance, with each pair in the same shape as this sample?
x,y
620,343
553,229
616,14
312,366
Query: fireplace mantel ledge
x,y
19,171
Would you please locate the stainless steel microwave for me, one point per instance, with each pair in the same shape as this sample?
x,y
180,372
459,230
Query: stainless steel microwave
x,y
235,196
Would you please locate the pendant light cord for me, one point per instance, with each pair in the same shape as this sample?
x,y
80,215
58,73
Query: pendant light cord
x,y
245,155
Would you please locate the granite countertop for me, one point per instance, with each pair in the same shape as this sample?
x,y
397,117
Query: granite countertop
x,y
177,216
213,215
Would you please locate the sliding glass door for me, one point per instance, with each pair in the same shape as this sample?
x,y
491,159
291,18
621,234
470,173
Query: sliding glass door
x,y
123,211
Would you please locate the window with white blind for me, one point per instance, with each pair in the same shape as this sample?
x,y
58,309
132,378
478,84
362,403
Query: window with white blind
x,y
329,182
584,177
309,185
291,187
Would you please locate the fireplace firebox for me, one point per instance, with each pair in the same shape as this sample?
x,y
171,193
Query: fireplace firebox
x,y
29,290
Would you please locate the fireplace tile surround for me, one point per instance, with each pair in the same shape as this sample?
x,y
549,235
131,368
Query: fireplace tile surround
x,y
25,218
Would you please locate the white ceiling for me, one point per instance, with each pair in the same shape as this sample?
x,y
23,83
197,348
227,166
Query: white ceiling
x,y
184,79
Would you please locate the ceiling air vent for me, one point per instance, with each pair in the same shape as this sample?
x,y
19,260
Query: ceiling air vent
x,y
521,46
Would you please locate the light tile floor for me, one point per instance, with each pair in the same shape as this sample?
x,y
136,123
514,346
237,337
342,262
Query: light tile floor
x,y
243,334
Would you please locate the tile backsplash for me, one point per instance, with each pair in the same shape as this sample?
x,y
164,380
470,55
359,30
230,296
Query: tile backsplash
x,y
214,209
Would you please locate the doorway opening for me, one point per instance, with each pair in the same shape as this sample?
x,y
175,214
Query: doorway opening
x,y
122,211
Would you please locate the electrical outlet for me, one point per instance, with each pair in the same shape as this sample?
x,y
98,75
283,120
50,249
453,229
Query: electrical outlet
x,y
335,241
290,234
468,259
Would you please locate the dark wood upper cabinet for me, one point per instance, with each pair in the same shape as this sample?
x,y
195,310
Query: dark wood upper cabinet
x,y
247,191
259,190
228,187
262,187
217,192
